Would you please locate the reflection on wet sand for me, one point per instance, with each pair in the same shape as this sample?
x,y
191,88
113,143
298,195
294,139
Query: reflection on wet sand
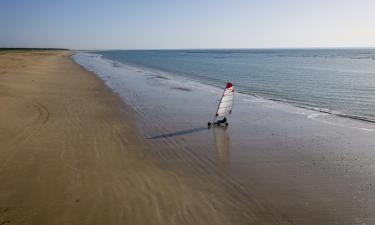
x,y
222,144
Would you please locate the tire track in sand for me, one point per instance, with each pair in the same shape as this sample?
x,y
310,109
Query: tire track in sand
x,y
30,130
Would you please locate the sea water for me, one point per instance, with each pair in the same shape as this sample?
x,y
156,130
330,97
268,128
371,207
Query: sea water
x,y
337,81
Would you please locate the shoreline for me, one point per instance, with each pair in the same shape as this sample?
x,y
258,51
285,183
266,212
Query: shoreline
x,y
286,103
168,75
308,167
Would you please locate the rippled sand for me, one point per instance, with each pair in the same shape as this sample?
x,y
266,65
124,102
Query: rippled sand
x,y
70,154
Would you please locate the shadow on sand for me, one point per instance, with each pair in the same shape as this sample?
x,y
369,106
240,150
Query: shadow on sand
x,y
179,133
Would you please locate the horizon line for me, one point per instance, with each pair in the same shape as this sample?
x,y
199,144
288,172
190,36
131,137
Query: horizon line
x,y
244,48
155,49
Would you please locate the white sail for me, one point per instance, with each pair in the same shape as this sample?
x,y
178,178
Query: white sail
x,y
226,102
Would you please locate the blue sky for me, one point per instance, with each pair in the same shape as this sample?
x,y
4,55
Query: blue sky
x,y
155,24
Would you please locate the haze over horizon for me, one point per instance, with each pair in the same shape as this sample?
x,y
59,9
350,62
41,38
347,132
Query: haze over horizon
x,y
167,24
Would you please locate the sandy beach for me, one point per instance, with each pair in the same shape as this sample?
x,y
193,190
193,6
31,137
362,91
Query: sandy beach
x,y
72,152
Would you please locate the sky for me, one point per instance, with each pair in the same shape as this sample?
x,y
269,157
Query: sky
x,y
176,24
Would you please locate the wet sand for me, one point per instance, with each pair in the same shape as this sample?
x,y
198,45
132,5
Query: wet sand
x,y
275,162
70,153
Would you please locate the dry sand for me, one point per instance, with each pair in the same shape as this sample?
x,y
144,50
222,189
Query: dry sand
x,y
70,154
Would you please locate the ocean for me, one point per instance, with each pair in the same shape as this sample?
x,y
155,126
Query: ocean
x,y
335,81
